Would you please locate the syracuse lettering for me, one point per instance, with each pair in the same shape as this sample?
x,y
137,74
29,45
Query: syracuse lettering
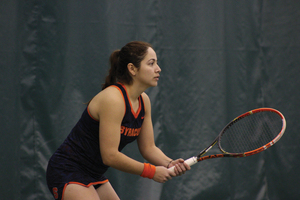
x,y
130,131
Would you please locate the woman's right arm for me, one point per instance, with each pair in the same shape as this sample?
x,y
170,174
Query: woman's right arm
x,y
109,108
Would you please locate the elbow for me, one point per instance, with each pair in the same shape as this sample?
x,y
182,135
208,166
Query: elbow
x,y
105,160
109,158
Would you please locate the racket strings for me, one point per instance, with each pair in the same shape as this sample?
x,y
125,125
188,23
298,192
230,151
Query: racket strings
x,y
251,132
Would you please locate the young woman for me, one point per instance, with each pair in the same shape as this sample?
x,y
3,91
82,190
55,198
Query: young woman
x,y
116,116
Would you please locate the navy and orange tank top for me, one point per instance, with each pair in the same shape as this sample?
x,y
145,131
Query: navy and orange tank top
x,y
132,121
81,151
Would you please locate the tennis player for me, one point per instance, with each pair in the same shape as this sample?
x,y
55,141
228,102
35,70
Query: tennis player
x,y
118,115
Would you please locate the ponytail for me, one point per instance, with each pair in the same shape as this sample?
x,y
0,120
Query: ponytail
x,y
111,78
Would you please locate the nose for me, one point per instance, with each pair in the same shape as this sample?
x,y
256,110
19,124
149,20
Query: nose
x,y
158,70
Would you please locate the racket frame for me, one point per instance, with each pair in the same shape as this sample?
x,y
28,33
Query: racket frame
x,y
249,153
193,160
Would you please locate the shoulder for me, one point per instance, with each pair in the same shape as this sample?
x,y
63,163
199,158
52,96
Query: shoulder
x,y
145,97
108,100
146,100
110,94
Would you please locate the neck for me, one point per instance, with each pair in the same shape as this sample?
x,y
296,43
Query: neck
x,y
134,91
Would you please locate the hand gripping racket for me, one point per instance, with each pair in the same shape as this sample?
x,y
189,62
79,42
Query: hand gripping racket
x,y
246,135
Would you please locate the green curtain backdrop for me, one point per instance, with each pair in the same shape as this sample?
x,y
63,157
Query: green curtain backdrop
x,y
219,59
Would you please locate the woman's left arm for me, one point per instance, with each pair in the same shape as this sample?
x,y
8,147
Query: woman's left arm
x,y
147,145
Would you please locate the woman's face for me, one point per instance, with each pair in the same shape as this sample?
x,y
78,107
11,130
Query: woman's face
x,y
149,70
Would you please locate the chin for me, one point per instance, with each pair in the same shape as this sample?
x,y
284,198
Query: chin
x,y
154,84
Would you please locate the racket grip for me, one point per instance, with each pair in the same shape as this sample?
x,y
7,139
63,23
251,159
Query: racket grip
x,y
191,161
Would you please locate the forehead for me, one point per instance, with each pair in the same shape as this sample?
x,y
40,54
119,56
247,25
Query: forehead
x,y
150,54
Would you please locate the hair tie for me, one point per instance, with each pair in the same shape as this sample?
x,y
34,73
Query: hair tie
x,y
169,163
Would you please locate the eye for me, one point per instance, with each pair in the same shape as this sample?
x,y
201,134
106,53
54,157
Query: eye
x,y
152,62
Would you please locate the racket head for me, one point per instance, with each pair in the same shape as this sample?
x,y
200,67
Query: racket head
x,y
252,132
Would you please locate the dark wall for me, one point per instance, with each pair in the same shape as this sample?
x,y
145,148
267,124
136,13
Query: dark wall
x,y
219,59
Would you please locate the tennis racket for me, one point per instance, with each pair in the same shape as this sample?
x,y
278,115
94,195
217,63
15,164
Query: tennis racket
x,y
246,135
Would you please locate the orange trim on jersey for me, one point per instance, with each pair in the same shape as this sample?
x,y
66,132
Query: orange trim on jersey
x,y
135,114
121,94
94,183
90,114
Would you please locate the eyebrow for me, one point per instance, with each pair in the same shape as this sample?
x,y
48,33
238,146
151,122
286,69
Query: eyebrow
x,y
151,59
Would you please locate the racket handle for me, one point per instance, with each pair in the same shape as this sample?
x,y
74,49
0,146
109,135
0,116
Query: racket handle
x,y
191,161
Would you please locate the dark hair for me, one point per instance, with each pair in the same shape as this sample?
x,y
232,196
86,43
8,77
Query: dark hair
x,y
133,52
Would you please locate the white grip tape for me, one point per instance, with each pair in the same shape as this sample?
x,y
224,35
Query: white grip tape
x,y
191,161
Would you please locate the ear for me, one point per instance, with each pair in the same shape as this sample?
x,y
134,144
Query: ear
x,y
132,69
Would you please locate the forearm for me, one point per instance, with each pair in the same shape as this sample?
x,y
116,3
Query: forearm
x,y
123,163
155,156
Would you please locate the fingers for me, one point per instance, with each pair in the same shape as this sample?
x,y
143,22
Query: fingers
x,y
167,179
180,167
162,174
180,160
187,166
